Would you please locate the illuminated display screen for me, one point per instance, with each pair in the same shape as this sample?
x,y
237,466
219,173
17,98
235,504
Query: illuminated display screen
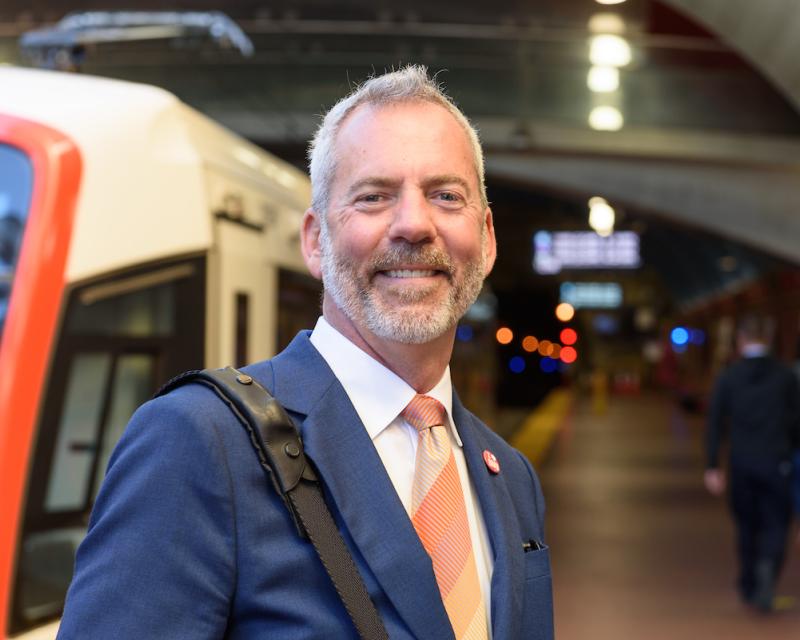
x,y
557,250
592,295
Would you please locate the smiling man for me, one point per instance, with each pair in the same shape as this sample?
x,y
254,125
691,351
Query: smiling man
x,y
443,519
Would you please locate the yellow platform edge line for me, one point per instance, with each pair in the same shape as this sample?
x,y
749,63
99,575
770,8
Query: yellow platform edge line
x,y
539,429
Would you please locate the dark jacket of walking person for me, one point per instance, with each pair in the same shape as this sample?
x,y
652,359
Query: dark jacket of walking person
x,y
756,407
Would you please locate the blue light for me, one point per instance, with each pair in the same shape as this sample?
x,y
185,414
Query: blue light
x,y
517,364
679,336
697,336
464,333
548,365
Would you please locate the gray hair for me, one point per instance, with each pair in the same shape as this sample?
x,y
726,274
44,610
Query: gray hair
x,y
409,84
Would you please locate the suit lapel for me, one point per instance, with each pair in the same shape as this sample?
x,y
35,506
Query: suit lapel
x,y
504,533
336,441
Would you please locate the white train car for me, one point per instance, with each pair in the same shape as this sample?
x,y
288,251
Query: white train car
x,y
137,239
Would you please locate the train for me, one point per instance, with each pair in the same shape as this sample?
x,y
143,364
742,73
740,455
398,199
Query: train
x,y
138,239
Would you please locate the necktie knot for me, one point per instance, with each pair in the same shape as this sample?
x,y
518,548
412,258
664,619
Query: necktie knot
x,y
424,412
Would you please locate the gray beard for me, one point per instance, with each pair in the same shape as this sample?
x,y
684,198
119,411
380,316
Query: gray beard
x,y
355,294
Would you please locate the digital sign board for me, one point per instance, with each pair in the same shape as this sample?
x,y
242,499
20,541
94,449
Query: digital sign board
x,y
557,250
592,295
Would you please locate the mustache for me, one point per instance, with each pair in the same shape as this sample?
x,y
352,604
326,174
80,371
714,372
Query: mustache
x,y
404,254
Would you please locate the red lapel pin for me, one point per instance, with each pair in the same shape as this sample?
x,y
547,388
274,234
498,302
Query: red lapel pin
x,y
491,461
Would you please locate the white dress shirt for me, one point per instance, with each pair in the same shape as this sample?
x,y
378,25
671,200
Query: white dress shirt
x,y
378,396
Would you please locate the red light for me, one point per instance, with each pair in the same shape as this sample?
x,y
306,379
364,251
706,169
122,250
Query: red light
x,y
568,355
569,336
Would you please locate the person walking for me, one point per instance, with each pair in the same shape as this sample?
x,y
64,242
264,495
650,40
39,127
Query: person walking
x,y
755,405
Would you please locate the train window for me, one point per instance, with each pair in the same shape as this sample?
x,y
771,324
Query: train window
x,y
78,432
133,384
122,337
146,312
16,182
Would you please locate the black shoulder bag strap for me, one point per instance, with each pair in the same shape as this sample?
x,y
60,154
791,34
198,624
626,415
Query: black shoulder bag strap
x,y
280,452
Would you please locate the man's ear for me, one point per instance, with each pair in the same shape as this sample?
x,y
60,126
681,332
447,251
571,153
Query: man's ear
x,y
310,243
489,242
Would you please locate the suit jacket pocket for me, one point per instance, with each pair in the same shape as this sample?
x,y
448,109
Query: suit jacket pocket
x,y
537,563
538,605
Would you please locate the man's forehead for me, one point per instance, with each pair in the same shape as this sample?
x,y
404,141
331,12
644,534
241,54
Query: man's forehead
x,y
358,139
367,113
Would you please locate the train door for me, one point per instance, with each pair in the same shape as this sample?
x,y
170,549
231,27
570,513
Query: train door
x,y
120,338
242,283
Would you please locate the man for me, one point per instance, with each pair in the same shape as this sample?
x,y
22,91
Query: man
x,y
188,540
756,401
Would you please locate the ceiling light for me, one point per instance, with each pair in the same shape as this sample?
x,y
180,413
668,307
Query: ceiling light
x,y
606,23
606,119
601,216
608,50
609,1
603,79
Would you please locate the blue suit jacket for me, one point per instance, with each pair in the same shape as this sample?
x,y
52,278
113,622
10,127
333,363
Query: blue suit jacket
x,y
188,540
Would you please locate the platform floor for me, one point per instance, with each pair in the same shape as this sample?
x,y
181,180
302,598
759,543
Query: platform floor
x,y
639,549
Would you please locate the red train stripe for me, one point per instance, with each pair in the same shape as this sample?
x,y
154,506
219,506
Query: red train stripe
x,y
33,314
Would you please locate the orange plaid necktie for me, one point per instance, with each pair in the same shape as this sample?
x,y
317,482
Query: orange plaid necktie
x,y
440,518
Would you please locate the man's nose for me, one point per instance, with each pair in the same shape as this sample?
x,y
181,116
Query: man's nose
x,y
413,219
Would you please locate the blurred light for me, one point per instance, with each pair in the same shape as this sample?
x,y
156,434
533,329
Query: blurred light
x,y
504,335
609,1
606,119
728,263
568,355
652,351
555,350
565,312
464,333
679,336
609,50
594,295
548,365
585,250
603,79
606,23
601,216
568,336
545,347
605,324
644,318
517,364
679,348
697,336
530,344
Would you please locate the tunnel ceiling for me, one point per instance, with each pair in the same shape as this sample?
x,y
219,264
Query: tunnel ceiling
x,y
711,138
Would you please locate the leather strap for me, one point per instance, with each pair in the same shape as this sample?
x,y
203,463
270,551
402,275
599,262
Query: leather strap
x,y
280,452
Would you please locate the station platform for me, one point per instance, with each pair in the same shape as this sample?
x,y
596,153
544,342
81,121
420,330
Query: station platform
x,y
638,548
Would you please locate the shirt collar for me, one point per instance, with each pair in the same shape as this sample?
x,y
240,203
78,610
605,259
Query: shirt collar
x,y
377,394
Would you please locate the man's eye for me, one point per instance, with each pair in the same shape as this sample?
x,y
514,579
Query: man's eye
x,y
448,196
371,197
